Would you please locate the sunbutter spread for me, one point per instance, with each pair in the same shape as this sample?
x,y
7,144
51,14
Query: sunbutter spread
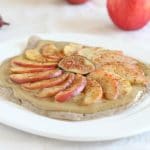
x,y
70,77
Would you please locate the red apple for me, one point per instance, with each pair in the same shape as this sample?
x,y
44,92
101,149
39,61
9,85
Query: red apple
x,y
129,14
77,1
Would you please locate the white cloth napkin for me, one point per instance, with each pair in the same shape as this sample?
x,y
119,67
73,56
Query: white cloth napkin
x,y
50,16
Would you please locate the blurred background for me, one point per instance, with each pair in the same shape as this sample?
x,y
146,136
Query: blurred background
x,y
51,16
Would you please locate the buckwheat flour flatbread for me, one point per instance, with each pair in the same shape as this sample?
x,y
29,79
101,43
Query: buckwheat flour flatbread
x,y
72,81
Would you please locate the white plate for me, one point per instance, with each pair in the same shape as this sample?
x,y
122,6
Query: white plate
x,y
128,123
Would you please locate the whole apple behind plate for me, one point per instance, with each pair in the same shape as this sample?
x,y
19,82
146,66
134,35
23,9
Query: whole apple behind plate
x,y
129,14
77,1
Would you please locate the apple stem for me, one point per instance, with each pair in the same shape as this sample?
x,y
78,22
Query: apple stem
x,y
3,22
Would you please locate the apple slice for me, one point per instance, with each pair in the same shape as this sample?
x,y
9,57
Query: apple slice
x,y
112,84
109,83
31,64
93,52
33,77
132,73
35,55
76,88
106,58
72,49
77,64
50,51
17,69
93,92
125,86
46,83
51,91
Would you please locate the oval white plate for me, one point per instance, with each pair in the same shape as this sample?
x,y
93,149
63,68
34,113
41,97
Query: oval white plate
x,y
130,122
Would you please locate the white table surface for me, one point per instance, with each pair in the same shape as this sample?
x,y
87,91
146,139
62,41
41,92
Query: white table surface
x,y
50,16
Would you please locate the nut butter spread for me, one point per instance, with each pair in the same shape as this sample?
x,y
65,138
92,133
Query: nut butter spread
x,y
69,77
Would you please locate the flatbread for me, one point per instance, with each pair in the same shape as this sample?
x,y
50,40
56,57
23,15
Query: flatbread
x,y
10,94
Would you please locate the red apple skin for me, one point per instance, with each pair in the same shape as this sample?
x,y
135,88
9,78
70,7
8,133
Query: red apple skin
x,y
77,1
29,70
46,83
33,77
76,88
31,64
129,14
51,91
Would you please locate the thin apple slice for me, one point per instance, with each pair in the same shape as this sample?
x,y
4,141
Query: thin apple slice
x,y
93,92
76,88
51,91
77,64
109,83
46,83
92,52
72,49
50,51
106,58
110,86
17,69
130,72
33,77
31,64
125,86
35,55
